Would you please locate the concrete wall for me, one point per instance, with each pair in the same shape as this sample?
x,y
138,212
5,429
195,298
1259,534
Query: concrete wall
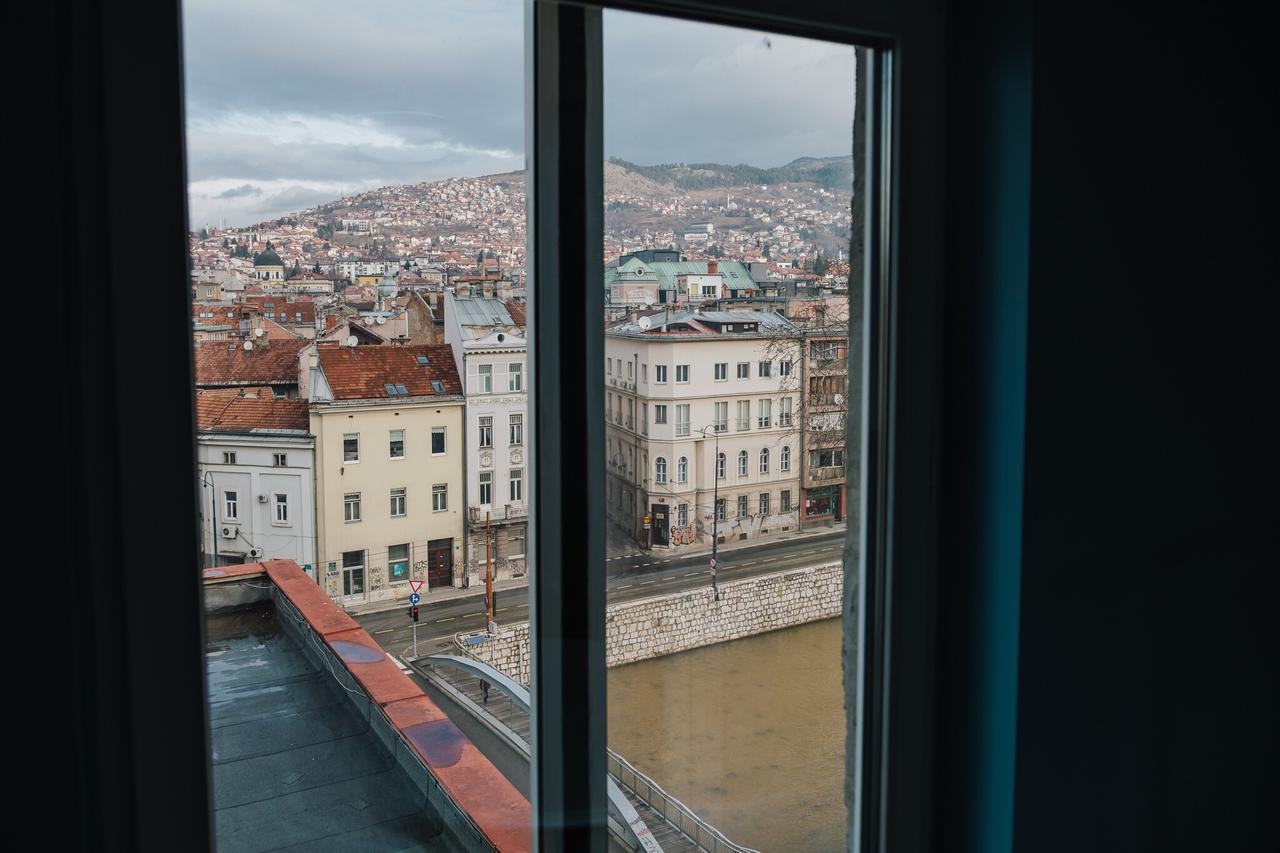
x,y
665,625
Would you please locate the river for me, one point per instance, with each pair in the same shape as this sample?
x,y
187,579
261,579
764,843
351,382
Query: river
x,y
749,734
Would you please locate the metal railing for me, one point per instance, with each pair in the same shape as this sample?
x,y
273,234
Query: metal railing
x,y
672,810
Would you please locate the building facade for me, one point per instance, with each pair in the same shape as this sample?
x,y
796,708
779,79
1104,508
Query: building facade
x,y
701,428
490,348
825,385
388,431
256,463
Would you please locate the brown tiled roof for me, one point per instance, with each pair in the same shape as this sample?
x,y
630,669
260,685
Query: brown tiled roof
x,y
359,373
231,411
516,310
276,332
223,363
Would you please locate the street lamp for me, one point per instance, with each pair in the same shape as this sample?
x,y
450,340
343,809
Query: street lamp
x,y
715,506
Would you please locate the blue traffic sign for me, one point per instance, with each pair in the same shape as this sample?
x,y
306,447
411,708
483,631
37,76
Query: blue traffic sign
x,y
414,598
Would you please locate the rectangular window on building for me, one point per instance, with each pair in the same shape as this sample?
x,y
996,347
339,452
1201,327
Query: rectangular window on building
x,y
516,430
659,414
282,508
437,441
515,376
398,509
439,497
517,485
395,447
484,379
722,371
682,419
486,488
720,511
630,368
228,457
660,374
785,502
351,507
764,503
744,415
351,448
743,511
682,373
744,370
280,460
766,409
398,563
766,369
608,366
682,515
486,431
722,416
644,418
784,412
784,368
230,506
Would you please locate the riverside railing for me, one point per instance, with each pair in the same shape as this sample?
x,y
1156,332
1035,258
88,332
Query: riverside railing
x,y
675,812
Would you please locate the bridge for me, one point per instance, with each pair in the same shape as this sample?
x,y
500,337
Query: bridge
x,y
642,816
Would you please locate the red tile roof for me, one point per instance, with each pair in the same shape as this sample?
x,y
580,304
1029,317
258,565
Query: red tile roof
x,y
230,411
222,363
361,373
516,310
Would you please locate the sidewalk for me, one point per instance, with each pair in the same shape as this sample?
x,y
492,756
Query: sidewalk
x,y
817,529
436,596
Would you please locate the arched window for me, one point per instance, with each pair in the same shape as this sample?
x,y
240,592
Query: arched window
x,y
660,469
742,464
682,470
786,457
720,465
764,461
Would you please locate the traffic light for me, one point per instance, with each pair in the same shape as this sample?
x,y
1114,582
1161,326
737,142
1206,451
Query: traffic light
x,y
413,613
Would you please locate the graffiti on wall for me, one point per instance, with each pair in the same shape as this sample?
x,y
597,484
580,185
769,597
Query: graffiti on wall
x,y
683,535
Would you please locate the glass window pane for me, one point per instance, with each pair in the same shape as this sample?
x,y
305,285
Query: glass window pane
x,y
727,270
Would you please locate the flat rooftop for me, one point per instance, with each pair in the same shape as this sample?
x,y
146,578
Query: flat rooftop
x,y
295,765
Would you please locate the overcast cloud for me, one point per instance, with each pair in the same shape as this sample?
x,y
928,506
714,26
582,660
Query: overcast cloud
x,y
296,102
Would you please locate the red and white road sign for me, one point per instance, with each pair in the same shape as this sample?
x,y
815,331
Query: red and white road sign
x,y
415,585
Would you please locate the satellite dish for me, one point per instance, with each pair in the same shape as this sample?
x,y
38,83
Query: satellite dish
x,y
645,322
248,345
368,321
381,320
839,399
351,341
259,332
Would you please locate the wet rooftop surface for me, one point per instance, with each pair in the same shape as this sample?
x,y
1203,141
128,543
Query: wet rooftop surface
x,y
295,765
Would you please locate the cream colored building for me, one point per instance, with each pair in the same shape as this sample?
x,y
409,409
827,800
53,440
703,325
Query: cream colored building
x,y
701,406
388,427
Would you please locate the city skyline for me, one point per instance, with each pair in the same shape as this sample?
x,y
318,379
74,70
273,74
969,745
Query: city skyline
x,y
335,118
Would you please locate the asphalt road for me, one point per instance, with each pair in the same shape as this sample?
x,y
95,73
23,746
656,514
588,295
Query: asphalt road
x,y
637,576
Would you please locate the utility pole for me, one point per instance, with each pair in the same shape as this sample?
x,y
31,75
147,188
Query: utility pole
x,y
488,575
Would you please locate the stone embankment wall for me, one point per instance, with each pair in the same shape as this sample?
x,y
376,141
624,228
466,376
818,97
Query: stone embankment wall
x,y
667,624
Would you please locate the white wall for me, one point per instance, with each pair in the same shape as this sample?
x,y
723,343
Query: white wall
x,y
255,474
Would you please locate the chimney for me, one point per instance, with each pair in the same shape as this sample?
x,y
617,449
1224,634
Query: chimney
x,y
712,267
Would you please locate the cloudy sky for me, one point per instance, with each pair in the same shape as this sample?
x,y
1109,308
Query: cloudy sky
x,y
295,102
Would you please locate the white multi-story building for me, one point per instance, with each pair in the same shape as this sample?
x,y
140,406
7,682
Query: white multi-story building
x,y
702,423
490,349
256,461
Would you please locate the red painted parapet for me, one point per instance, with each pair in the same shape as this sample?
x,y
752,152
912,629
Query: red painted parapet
x,y
222,574
479,789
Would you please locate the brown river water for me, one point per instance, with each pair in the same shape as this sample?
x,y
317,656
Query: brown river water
x,y
748,734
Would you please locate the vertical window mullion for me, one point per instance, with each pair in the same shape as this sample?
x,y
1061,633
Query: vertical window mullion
x,y
565,156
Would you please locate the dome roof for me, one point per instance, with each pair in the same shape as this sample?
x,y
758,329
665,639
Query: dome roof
x,y
268,258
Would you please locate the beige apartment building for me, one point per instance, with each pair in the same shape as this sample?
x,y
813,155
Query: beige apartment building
x,y
702,432
388,427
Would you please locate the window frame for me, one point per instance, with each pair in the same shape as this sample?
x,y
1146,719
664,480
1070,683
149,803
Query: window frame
x,y
403,502
404,445
439,497
352,500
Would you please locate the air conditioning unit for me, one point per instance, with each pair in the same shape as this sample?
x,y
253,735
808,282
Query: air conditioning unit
x,y
255,553
228,532
262,499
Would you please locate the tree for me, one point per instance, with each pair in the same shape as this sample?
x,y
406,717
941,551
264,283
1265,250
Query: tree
x,y
821,264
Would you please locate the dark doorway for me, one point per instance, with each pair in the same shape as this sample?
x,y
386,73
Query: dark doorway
x,y
439,563
661,525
